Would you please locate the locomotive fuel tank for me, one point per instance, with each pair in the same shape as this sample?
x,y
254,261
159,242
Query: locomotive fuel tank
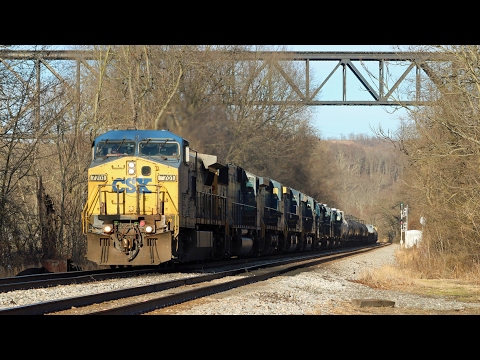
x,y
241,245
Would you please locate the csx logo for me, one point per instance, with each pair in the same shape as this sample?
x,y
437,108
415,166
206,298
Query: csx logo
x,y
129,185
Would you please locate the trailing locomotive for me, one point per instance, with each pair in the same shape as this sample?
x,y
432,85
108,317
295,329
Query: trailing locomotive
x,y
152,199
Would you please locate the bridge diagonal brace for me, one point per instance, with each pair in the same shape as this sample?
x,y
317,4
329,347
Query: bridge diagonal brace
x,y
82,61
361,79
289,80
324,81
255,74
14,72
431,74
52,70
400,79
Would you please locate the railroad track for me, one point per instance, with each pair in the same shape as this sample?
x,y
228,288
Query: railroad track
x,y
67,278
141,299
36,281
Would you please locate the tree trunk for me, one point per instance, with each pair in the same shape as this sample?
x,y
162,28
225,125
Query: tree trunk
x,y
46,213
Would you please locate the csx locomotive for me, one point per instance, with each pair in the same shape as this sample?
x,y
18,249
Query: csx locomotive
x,y
152,199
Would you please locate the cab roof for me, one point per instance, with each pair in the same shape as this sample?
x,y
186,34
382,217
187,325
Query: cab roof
x,y
138,135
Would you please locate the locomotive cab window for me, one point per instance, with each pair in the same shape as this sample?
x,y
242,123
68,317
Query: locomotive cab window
x,y
110,148
159,148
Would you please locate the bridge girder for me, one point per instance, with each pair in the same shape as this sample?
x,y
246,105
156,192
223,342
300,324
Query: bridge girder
x,y
375,84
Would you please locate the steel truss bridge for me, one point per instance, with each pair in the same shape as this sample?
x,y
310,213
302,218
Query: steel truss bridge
x,y
381,91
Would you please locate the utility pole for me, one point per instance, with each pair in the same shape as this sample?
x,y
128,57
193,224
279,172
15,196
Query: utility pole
x,y
403,223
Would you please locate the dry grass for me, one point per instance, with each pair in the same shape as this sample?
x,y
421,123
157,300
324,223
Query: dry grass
x,y
348,308
425,264
386,277
425,277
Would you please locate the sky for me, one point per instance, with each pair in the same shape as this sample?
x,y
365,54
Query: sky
x,y
338,121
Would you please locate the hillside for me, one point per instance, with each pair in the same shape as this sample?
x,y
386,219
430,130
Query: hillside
x,y
365,178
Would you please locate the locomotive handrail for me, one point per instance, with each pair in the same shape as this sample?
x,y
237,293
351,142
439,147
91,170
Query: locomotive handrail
x,y
237,217
271,216
176,217
86,212
94,198
217,199
275,211
159,189
250,206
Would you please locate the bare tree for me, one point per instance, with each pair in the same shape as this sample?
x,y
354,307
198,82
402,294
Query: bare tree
x,y
207,95
23,128
441,145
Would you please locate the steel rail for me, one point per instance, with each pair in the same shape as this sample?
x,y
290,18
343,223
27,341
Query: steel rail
x,y
35,281
67,278
63,304
253,275
58,275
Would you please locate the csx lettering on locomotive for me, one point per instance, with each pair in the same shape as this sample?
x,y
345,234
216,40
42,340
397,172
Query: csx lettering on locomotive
x,y
130,185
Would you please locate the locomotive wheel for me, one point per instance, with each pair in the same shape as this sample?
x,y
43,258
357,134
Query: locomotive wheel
x,y
118,266
220,247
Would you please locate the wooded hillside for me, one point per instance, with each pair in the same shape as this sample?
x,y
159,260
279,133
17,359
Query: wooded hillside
x,y
364,178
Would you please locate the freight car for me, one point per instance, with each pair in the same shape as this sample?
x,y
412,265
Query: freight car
x,y
152,199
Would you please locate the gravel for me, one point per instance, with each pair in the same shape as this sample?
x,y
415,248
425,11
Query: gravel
x,y
32,296
323,289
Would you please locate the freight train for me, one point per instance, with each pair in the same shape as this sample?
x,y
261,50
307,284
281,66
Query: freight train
x,y
152,199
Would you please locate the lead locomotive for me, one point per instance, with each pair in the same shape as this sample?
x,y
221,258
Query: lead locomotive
x,y
152,199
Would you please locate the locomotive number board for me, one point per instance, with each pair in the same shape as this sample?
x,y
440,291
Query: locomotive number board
x,y
167,177
99,177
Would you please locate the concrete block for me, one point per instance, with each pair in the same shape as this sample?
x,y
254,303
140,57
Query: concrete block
x,y
373,303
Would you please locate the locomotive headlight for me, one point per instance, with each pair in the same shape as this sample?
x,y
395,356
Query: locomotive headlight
x,y
131,168
107,229
149,229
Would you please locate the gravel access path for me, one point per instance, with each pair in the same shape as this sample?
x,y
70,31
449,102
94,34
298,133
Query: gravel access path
x,y
326,289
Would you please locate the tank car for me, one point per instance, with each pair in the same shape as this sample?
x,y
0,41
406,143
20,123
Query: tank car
x,y
152,200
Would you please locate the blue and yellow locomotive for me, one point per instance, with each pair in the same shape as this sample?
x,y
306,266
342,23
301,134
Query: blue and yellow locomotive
x,y
152,199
